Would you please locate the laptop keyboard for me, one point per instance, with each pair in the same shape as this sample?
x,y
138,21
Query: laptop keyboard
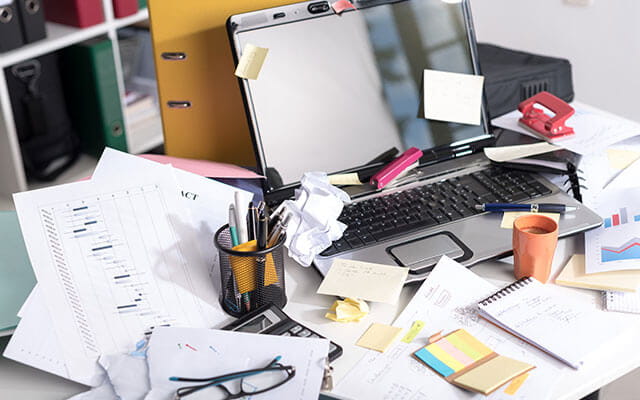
x,y
422,207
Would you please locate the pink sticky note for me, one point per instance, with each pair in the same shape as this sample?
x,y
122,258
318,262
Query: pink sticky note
x,y
210,169
341,5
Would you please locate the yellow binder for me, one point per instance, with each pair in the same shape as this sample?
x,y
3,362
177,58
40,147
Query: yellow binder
x,y
194,67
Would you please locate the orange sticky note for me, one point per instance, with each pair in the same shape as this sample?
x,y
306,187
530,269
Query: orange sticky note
x,y
244,268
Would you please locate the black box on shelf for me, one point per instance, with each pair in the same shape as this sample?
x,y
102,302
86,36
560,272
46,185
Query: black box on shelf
x,y
32,18
10,31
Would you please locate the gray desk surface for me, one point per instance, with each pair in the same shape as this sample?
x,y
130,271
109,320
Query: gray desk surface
x,y
21,382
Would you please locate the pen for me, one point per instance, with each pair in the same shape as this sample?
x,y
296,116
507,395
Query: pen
x,y
252,219
232,226
234,242
262,244
542,207
278,231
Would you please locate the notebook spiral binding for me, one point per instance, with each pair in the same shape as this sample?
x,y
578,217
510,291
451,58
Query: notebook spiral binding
x,y
519,284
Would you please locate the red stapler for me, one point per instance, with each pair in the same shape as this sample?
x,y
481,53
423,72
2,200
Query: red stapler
x,y
550,128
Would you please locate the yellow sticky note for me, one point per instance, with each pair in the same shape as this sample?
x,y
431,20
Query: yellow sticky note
x,y
347,310
251,61
413,331
621,159
379,337
345,179
515,384
489,376
509,217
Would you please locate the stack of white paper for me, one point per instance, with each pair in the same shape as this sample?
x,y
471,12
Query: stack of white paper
x,y
115,257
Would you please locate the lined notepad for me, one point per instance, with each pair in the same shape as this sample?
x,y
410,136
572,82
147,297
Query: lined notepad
x,y
549,320
622,302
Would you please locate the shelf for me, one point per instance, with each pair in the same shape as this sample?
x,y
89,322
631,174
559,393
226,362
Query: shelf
x,y
60,36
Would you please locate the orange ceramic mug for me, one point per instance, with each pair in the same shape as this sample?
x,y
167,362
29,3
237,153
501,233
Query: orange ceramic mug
x,y
534,242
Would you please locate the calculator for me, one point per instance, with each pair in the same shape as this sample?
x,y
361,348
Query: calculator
x,y
271,320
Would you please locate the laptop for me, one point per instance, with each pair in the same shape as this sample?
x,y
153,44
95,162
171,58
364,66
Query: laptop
x,y
342,93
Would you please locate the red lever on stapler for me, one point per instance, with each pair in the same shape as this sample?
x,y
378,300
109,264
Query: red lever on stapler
x,y
536,120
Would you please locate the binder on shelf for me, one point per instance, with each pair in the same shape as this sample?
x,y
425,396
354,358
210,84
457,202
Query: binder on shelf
x,y
78,13
142,4
10,34
124,8
93,97
32,17
202,111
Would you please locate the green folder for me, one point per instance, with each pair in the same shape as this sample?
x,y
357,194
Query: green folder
x,y
16,275
93,98
142,4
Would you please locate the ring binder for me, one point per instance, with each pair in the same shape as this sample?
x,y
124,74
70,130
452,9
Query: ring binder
x,y
520,283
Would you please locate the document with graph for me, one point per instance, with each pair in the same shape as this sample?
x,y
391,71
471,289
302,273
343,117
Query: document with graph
x,y
615,245
113,261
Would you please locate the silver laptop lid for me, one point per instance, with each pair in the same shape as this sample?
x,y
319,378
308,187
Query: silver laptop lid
x,y
336,91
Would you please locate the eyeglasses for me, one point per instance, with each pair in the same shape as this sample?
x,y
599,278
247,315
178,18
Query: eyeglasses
x,y
250,382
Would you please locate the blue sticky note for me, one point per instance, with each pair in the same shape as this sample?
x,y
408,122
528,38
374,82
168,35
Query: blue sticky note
x,y
426,357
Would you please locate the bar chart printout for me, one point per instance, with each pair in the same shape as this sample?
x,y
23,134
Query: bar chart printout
x,y
616,244
113,264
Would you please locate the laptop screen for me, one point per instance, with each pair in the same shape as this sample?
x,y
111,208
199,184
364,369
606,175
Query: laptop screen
x,y
336,91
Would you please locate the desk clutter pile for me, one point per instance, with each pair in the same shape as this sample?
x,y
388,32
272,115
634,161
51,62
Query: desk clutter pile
x,y
127,289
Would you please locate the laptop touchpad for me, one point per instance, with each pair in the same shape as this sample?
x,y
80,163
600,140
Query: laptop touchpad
x,y
420,254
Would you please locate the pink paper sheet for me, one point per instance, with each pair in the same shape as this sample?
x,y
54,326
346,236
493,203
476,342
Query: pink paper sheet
x,y
210,169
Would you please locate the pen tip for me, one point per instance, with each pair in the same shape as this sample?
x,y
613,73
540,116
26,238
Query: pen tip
x,y
479,207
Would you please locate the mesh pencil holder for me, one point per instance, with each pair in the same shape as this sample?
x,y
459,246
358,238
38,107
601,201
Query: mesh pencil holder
x,y
249,277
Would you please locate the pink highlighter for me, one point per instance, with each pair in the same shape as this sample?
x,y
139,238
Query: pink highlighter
x,y
395,167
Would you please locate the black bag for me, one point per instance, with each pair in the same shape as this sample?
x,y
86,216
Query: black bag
x,y
47,141
513,76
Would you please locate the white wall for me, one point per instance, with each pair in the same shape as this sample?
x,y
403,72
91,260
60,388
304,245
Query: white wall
x,y
601,40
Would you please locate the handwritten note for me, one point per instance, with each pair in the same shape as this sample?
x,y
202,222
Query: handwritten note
x,y
251,61
453,97
362,280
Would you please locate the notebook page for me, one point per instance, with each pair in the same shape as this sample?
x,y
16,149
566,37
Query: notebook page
x,y
622,301
550,320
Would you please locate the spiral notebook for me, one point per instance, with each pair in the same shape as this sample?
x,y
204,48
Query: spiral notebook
x,y
622,301
550,319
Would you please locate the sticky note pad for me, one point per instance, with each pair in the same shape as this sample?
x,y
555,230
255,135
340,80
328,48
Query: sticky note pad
x,y
509,217
453,97
468,344
379,337
426,357
251,61
494,373
574,275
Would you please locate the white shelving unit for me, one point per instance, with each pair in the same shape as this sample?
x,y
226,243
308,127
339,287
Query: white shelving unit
x,y
12,175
